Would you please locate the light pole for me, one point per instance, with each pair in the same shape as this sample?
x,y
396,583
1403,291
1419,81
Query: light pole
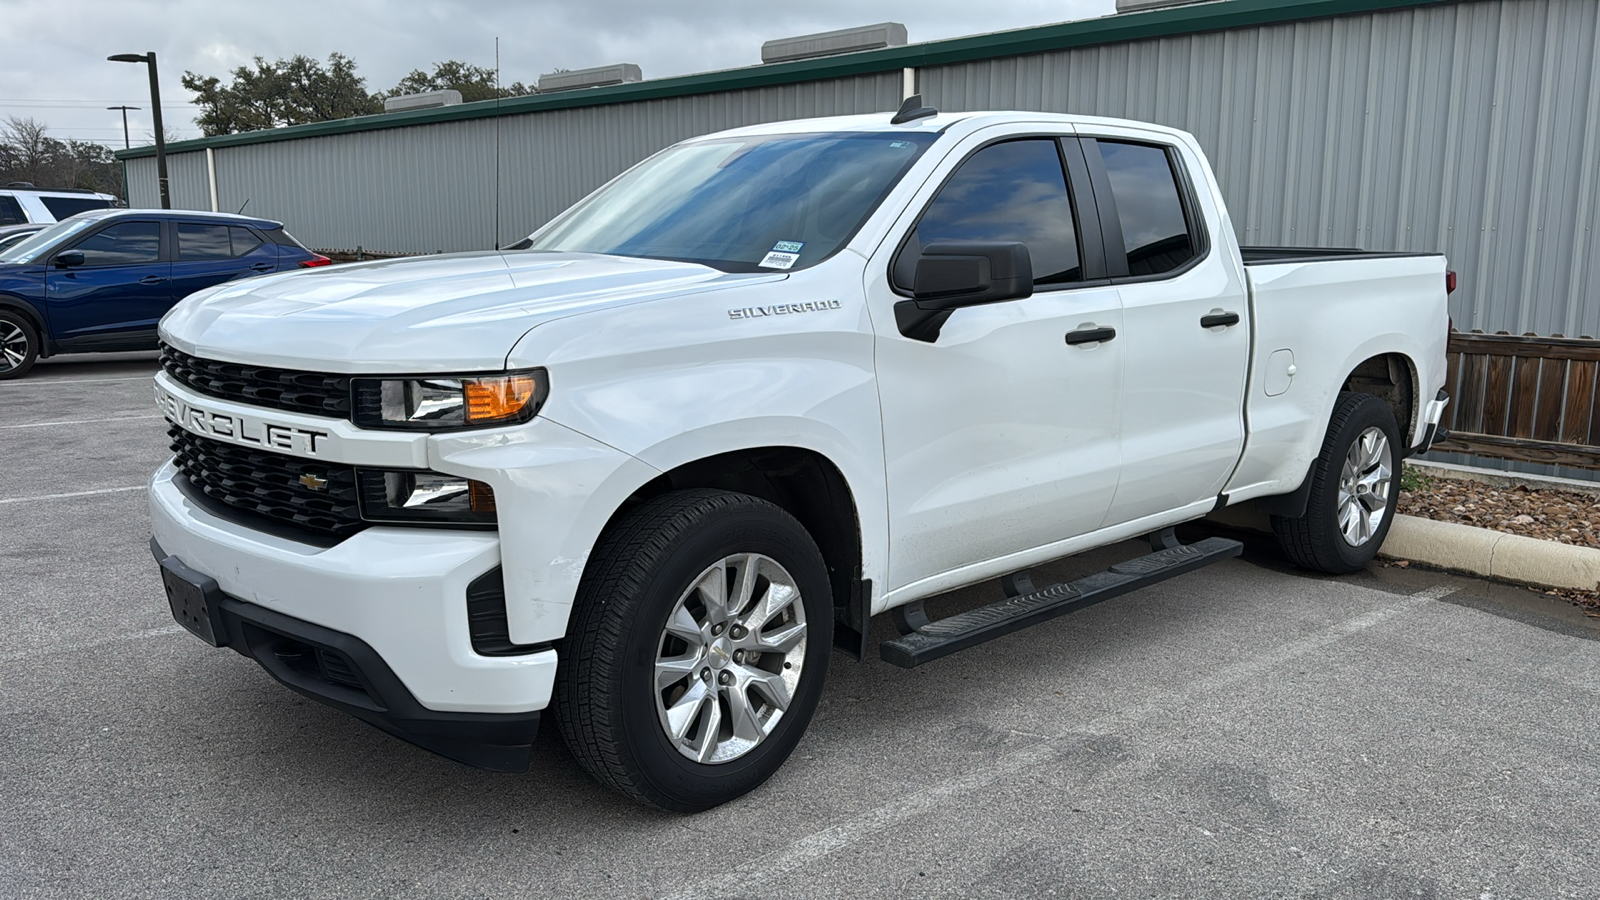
x,y
155,114
125,143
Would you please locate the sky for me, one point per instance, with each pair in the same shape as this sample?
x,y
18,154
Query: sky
x,y
53,68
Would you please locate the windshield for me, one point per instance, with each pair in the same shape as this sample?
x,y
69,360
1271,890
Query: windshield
x,y
750,204
25,250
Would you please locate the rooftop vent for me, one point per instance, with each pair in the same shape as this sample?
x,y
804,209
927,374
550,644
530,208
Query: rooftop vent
x,y
1124,6
422,101
600,76
833,43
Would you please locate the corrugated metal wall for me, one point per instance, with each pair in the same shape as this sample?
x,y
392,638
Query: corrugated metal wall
x,y
431,188
1471,128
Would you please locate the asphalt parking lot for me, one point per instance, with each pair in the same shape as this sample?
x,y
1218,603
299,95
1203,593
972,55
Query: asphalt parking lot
x,y
1243,731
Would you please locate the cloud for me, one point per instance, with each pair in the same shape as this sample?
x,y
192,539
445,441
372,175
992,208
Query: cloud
x,y
57,72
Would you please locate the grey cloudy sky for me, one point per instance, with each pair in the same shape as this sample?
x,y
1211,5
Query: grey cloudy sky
x,y
52,54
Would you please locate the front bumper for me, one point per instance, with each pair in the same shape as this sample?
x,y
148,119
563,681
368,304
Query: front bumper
x,y
344,672
399,591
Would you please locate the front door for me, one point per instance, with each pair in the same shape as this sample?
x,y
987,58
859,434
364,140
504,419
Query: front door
x,y
999,436
115,297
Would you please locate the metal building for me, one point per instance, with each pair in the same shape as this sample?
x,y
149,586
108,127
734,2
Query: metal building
x,y
1469,127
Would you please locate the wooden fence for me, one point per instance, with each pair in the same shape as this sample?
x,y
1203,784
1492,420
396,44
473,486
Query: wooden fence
x,y
1524,397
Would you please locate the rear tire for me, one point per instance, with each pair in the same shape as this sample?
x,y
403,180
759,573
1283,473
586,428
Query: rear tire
x,y
697,649
1355,485
19,345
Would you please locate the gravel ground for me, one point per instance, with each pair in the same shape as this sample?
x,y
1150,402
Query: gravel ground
x,y
1549,515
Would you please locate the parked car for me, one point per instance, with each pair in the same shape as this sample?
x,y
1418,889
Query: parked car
x,y
11,235
101,280
22,203
770,383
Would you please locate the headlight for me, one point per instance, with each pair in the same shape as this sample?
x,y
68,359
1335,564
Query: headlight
x,y
440,403
412,497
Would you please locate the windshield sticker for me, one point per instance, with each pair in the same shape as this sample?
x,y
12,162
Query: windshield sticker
x,y
776,260
901,145
788,246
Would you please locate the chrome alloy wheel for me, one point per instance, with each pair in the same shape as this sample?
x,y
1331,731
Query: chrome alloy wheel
x,y
13,346
730,658
1364,485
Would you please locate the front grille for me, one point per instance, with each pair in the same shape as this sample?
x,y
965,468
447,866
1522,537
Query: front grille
x,y
268,484
316,393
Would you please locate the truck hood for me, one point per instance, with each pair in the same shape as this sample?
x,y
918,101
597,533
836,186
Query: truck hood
x,y
458,312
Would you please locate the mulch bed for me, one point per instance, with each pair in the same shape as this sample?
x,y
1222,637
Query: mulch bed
x,y
1549,515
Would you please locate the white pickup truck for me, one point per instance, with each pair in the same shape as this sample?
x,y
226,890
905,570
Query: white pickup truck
x,y
648,468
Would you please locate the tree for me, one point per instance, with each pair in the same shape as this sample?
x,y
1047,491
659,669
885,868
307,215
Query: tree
x,y
28,153
474,82
290,91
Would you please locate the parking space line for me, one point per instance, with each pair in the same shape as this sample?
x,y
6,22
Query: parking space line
x,y
83,421
937,796
115,490
40,382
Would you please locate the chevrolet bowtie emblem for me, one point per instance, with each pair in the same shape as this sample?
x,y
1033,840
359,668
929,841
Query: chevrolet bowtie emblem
x,y
314,482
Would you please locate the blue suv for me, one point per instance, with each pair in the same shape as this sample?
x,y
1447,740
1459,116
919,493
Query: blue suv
x,y
101,280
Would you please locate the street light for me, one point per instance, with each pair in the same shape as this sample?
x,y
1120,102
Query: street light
x,y
125,142
155,113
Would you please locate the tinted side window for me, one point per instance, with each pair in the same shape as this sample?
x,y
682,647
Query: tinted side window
x,y
244,240
11,211
125,243
62,207
1150,207
203,242
1015,191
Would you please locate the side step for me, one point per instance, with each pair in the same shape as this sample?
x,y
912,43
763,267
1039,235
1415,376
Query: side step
x,y
932,640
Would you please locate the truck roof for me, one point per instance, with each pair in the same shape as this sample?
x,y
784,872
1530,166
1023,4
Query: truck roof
x,y
939,122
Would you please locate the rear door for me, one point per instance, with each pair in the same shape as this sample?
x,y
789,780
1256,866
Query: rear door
x,y
210,253
1187,336
119,293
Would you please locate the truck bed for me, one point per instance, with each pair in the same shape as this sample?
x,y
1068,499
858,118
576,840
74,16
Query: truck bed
x,y
1265,255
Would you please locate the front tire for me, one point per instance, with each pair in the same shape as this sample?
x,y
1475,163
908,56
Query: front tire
x,y
698,646
1355,486
19,345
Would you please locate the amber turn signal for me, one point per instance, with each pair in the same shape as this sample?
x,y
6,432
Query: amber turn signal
x,y
499,399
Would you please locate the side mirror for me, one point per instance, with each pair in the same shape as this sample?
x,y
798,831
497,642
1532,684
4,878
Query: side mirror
x,y
954,274
66,259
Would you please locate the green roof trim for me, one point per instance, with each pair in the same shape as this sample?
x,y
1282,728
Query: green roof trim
x,y
1157,23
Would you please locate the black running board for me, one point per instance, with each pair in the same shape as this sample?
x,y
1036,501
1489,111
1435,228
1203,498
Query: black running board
x,y
973,627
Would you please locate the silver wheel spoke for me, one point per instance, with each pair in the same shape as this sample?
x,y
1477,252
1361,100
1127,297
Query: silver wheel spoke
x,y
710,730
671,671
772,687
778,640
744,584
713,588
683,626
13,357
743,717
682,715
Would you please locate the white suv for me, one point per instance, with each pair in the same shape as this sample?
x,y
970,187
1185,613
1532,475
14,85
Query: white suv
x,y
22,203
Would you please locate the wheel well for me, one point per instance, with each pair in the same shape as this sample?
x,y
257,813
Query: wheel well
x,y
27,312
1392,378
805,484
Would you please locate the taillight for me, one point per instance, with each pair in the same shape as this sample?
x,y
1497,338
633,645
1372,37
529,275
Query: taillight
x,y
317,259
1450,282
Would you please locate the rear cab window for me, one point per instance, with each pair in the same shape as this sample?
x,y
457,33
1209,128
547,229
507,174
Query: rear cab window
x,y
1156,228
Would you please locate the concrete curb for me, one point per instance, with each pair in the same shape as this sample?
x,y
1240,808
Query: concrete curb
x,y
1493,554
1464,548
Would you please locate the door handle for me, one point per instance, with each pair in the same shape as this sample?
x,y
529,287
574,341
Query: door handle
x,y
264,267
152,279
1090,336
1223,319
